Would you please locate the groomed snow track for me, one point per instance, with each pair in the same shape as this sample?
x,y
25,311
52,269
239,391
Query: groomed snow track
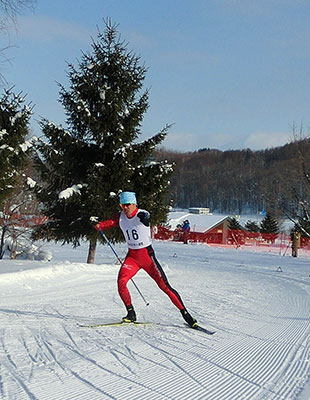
x,y
261,349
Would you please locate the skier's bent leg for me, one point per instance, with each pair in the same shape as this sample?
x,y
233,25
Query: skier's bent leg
x,y
127,271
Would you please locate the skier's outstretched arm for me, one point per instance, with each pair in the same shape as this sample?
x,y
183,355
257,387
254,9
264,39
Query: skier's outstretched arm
x,y
108,223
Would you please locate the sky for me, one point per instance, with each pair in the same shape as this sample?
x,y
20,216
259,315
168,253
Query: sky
x,y
227,74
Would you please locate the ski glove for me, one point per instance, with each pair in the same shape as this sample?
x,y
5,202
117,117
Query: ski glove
x,y
144,217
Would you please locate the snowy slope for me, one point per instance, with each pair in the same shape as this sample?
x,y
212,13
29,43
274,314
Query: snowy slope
x,y
261,349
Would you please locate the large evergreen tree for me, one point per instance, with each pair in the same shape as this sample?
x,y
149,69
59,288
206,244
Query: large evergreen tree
x,y
14,121
85,166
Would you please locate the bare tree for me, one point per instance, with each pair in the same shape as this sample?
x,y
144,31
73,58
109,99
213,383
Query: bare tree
x,y
19,215
298,208
9,10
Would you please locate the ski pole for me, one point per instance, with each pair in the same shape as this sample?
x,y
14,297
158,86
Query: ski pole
x,y
121,262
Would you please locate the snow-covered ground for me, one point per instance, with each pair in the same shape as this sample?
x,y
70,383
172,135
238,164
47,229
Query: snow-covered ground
x,y
261,349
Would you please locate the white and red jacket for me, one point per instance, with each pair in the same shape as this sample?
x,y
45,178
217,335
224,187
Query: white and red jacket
x,y
136,229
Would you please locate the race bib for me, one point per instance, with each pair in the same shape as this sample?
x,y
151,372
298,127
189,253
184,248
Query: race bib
x,y
136,234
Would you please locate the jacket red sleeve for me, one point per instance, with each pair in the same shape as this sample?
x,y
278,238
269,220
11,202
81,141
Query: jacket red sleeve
x,y
108,223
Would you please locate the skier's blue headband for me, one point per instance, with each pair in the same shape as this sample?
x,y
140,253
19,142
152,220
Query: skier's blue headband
x,y
127,198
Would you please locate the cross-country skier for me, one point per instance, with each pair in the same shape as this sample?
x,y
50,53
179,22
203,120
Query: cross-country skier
x,y
135,225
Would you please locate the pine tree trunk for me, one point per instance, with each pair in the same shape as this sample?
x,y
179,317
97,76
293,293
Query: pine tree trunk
x,y
91,251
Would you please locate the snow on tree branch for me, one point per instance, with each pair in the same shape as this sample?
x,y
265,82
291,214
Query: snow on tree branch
x,y
67,193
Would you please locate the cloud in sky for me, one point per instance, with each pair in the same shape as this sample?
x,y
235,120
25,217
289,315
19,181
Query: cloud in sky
x,y
176,141
194,141
264,140
221,141
254,141
48,30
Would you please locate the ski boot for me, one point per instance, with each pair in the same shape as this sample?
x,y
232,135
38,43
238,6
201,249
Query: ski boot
x,y
189,319
131,315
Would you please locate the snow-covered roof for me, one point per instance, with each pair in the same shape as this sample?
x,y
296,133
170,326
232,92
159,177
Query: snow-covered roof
x,y
203,222
198,222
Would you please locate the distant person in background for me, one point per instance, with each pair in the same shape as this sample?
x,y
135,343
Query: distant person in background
x,y
186,229
295,243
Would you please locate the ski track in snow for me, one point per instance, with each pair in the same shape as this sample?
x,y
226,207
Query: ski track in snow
x,y
261,349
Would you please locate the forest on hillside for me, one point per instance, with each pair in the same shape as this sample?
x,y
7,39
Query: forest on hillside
x,y
239,181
